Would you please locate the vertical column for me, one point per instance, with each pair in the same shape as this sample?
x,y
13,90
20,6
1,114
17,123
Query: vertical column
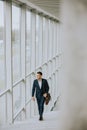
x,y
37,39
8,13
33,40
33,54
23,29
43,39
58,38
54,39
46,38
51,39
40,40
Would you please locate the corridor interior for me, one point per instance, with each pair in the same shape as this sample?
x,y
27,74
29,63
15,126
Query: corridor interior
x,y
48,36
29,42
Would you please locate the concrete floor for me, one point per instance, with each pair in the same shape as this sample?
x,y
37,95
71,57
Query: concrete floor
x,y
50,122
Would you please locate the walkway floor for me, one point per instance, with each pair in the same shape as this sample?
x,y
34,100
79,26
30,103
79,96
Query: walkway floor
x,y
50,122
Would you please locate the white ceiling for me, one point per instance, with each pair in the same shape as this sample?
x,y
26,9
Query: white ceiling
x,y
50,6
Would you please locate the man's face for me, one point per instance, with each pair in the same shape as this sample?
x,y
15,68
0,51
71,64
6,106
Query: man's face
x,y
39,76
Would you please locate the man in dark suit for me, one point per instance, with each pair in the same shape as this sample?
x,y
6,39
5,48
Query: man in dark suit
x,y
41,88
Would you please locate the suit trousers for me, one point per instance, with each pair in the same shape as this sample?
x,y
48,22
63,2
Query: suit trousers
x,y
40,103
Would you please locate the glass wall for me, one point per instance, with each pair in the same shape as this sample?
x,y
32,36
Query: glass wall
x,y
33,46
2,48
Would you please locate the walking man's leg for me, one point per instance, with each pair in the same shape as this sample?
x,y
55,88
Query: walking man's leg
x,y
38,103
41,108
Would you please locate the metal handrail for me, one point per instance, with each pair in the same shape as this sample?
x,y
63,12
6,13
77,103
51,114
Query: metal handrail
x,y
45,63
19,81
28,101
29,74
22,108
4,92
8,89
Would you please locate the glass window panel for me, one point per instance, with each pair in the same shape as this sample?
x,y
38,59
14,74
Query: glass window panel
x,y
16,46
20,117
17,97
28,110
2,49
49,68
39,26
28,42
45,40
45,70
3,109
28,88
33,49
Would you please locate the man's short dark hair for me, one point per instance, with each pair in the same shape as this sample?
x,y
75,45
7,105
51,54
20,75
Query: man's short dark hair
x,y
39,72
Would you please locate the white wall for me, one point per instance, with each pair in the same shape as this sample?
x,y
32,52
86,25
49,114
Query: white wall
x,y
74,89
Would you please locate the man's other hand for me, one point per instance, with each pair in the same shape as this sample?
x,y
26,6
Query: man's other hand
x,y
45,95
33,98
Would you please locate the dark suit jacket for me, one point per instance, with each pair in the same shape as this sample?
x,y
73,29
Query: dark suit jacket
x,y
36,88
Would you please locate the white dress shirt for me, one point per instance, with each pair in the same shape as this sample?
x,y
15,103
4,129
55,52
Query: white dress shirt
x,y
40,83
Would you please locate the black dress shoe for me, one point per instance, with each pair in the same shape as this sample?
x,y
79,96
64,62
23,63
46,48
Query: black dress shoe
x,y
41,118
